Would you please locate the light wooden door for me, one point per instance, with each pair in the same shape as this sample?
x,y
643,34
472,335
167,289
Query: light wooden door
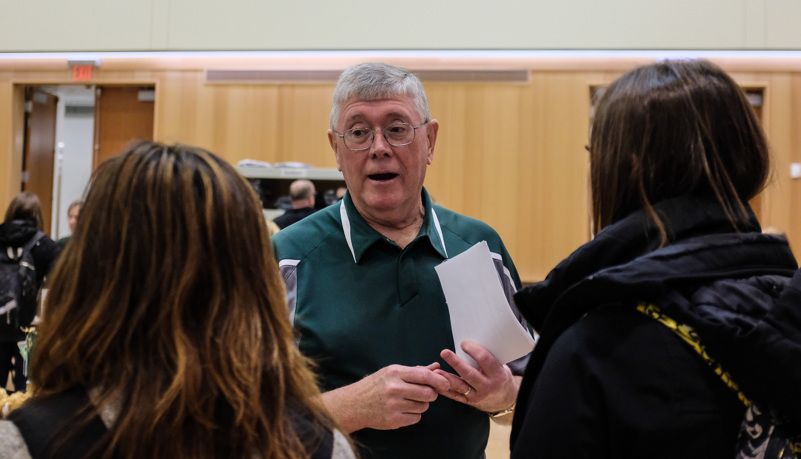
x,y
40,148
122,115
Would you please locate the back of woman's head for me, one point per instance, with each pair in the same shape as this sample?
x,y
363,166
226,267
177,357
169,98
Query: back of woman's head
x,y
670,129
169,301
25,206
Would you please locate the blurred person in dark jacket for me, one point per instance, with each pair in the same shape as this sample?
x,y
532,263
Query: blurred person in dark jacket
x,y
23,222
302,196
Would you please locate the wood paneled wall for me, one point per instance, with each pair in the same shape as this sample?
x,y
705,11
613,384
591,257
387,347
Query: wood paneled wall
x,y
511,154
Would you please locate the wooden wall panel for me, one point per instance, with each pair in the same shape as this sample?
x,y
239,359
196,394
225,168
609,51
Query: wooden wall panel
x,y
513,156
273,123
305,113
12,134
777,118
446,177
8,159
474,170
782,199
531,241
564,213
178,107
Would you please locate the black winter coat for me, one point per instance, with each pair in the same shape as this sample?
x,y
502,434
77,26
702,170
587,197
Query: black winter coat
x,y
16,233
605,381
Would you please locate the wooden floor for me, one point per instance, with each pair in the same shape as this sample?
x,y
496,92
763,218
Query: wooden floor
x,y
498,445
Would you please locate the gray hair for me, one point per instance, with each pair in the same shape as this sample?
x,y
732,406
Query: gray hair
x,y
376,80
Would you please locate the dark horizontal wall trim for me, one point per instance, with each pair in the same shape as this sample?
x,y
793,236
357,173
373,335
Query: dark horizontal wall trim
x,y
478,76
272,76
330,76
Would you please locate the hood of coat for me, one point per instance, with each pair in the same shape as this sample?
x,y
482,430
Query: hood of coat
x,y
620,244
16,232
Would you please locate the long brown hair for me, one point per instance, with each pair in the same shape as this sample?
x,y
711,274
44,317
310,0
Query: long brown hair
x,y
169,302
675,128
26,206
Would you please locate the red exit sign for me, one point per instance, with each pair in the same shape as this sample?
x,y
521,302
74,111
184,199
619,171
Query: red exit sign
x,y
82,73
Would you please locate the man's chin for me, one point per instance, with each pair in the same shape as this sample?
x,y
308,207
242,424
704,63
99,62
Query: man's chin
x,y
383,202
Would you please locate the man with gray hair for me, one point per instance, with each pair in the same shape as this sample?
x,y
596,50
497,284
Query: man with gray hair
x,y
302,196
363,293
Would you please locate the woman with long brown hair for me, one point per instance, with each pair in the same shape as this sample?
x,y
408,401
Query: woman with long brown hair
x,y
166,331
677,280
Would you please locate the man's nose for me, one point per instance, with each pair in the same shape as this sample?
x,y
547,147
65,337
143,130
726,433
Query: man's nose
x,y
380,142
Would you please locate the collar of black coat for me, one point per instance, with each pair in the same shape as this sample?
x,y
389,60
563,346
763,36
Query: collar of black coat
x,y
607,259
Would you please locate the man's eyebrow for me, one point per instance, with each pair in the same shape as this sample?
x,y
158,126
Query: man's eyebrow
x,y
397,115
355,116
360,116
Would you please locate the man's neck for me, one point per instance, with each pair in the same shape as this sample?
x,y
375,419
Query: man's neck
x,y
401,232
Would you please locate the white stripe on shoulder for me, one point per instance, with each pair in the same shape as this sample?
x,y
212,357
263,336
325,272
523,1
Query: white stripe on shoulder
x,y
287,262
439,231
343,213
342,449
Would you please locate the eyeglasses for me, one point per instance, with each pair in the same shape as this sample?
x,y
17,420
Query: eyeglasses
x,y
396,134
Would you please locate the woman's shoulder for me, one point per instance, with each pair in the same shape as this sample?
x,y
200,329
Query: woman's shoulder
x,y
12,445
342,447
325,443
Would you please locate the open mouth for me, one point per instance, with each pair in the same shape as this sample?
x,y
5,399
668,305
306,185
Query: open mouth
x,y
382,177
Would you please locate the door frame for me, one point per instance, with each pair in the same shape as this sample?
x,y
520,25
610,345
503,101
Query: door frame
x,y
12,126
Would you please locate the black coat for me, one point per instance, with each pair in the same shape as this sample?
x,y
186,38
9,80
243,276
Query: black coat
x,y
16,233
293,216
605,381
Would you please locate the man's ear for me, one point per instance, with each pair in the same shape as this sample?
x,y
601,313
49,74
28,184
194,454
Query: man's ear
x,y
332,140
432,129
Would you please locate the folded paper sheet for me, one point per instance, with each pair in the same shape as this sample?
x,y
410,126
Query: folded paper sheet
x,y
478,307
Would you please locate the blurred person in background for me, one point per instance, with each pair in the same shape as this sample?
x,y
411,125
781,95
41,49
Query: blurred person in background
x,y
72,219
302,195
22,230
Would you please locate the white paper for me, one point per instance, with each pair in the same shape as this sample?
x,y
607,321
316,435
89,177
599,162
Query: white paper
x,y
478,307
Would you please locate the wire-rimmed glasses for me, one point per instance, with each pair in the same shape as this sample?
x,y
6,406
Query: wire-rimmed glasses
x,y
396,134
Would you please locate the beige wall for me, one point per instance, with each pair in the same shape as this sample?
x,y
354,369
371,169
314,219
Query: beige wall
x,y
134,25
511,154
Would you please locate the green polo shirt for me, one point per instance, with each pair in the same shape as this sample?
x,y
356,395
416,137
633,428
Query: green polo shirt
x,y
360,303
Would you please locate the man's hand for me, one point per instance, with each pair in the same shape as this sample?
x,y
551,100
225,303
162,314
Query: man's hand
x,y
393,397
490,388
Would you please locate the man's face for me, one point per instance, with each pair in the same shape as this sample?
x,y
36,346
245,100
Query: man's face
x,y
384,181
72,217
